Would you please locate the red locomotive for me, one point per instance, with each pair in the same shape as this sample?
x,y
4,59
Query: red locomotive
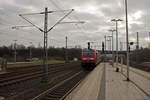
x,y
90,58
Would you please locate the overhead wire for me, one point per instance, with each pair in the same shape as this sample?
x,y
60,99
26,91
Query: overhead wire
x,y
19,37
10,26
21,31
60,20
31,23
7,22
81,29
64,13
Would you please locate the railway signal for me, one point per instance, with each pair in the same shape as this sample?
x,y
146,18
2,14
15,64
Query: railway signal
x,y
131,43
88,45
103,47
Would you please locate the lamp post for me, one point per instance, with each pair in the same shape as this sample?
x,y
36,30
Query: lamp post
x,y
112,30
66,52
116,21
15,53
30,51
105,43
121,46
105,50
109,42
149,40
127,40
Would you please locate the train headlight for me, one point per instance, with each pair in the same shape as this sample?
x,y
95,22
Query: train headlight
x,y
84,58
91,58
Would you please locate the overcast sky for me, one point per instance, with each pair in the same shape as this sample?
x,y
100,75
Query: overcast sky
x,y
97,15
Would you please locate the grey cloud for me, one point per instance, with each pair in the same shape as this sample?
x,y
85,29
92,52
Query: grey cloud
x,y
95,28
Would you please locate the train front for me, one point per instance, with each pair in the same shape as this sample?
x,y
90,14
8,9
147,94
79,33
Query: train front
x,y
88,59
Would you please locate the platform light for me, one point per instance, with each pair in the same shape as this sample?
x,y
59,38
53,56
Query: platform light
x,y
116,21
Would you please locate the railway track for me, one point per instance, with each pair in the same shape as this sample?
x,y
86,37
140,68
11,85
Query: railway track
x,y
23,70
17,75
62,89
140,66
24,84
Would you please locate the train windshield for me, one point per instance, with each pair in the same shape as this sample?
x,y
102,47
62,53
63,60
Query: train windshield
x,y
88,53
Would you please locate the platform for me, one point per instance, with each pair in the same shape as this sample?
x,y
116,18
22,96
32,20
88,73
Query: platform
x,y
103,83
117,88
89,87
139,78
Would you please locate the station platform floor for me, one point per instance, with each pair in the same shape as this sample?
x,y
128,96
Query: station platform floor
x,y
103,83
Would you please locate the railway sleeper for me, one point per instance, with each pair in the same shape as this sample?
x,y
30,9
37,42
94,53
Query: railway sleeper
x,y
60,91
19,80
50,98
18,77
57,93
53,96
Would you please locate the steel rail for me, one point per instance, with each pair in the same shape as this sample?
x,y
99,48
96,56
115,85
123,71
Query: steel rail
x,y
57,85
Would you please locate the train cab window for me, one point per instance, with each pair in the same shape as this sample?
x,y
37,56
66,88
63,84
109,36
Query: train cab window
x,y
85,54
91,53
88,53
